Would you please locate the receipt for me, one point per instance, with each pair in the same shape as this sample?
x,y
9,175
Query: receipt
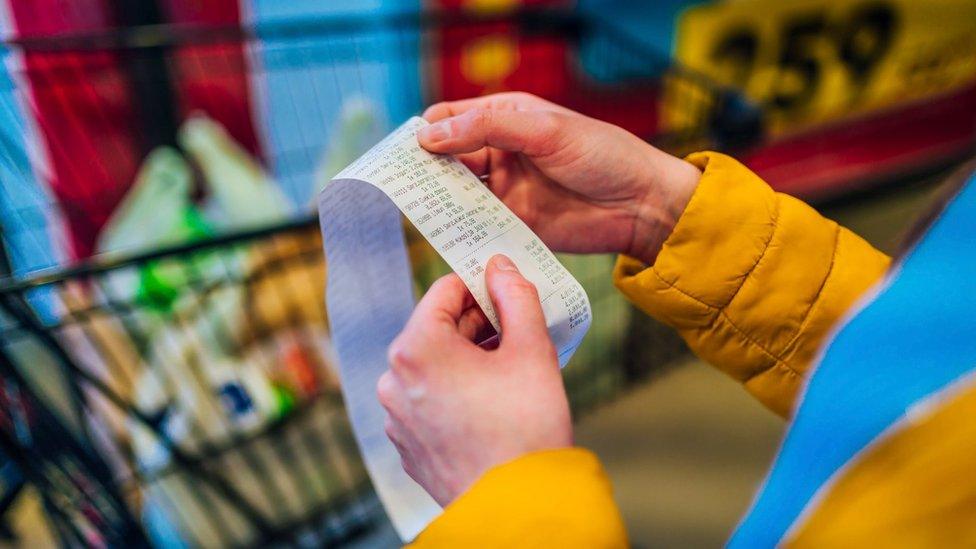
x,y
369,292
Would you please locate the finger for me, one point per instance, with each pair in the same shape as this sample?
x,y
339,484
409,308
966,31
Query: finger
x,y
447,109
442,306
431,333
534,133
396,433
513,101
392,433
516,300
439,111
478,162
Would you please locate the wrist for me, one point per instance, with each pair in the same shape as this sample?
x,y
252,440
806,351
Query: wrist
x,y
666,195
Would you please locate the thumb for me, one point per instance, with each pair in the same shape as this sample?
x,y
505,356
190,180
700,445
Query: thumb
x,y
517,303
531,132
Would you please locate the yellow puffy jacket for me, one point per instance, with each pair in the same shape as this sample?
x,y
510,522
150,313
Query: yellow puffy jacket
x,y
754,281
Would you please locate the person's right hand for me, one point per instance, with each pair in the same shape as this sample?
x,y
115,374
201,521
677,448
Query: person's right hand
x,y
583,185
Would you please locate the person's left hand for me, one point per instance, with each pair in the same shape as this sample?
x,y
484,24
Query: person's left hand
x,y
456,409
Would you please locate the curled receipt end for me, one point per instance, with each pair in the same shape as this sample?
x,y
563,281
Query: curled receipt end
x,y
370,296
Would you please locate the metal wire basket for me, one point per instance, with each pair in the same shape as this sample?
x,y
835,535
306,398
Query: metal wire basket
x,y
188,377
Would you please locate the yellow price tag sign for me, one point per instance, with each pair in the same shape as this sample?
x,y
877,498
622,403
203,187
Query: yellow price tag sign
x,y
813,61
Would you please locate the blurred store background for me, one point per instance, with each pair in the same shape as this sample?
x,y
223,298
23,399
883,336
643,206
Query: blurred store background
x,y
166,375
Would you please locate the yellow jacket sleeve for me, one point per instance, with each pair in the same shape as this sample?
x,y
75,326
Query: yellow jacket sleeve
x,y
555,498
752,279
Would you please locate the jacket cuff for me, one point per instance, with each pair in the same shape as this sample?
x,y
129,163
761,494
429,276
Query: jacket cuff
x,y
723,244
547,498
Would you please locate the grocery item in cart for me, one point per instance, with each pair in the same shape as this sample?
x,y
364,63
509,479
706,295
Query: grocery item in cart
x,y
244,195
220,383
155,210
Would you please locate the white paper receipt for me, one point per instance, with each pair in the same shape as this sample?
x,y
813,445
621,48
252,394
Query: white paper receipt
x,y
370,290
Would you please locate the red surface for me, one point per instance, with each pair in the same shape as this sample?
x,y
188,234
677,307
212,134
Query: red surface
x,y
852,153
84,108
541,67
214,78
546,67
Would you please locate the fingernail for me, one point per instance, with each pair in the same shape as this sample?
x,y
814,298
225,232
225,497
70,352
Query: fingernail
x,y
438,131
503,263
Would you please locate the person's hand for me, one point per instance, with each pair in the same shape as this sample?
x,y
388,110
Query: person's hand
x,y
583,185
457,409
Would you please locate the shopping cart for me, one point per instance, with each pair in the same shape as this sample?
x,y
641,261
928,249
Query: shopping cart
x,y
180,390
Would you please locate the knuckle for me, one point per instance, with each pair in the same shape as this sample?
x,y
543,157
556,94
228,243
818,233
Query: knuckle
x,y
526,288
482,118
549,124
511,101
437,107
523,96
548,129
401,355
386,389
408,467
390,429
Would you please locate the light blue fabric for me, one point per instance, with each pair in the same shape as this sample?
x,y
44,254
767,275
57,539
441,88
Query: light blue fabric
x,y
914,339
27,212
25,206
306,80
